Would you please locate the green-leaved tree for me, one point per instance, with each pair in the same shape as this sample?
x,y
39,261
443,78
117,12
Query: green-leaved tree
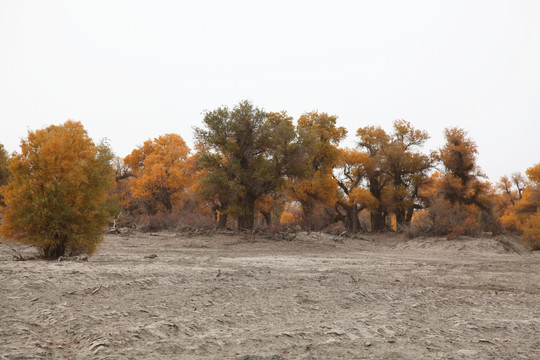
x,y
244,153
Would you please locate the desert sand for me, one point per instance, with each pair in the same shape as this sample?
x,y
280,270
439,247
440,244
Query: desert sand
x,y
320,296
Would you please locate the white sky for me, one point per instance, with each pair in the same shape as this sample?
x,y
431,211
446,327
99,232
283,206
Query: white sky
x,y
134,70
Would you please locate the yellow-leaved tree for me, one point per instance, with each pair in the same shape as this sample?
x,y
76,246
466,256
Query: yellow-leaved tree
x,y
525,214
162,171
57,196
351,172
313,184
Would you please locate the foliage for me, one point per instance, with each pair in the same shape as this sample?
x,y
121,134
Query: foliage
x,y
4,172
531,230
178,221
250,162
461,180
391,168
371,143
162,171
57,198
458,202
287,218
271,206
351,172
407,169
523,215
292,214
444,218
314,184
245,153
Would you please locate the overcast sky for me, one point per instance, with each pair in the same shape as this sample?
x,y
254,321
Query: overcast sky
x,y
134,70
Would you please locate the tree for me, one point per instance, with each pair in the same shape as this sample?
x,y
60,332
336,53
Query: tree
x,y
161,171
523,214
389,166
372,142
246,153
314,183
214,191
461,181
4,172
407,169
460,202
57,198
350,175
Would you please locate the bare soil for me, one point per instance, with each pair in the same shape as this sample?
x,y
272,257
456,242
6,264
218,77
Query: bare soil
x,y
170,296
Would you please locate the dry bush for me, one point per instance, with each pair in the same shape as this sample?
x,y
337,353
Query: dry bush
x,y
316,221
159,221
444,218
337,228
495,225
421,224
168,221
471,226
455,233
364,220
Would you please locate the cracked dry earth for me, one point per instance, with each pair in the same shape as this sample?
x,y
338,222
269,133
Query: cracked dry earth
x,y
234,297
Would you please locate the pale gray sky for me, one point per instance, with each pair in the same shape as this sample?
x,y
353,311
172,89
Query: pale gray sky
x,y
134,70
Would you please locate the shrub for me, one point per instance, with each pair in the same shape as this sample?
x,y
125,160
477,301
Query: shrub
x,y
171,221
471,227
57,197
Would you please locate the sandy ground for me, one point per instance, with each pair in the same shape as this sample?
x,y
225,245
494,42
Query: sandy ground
x,y
235,297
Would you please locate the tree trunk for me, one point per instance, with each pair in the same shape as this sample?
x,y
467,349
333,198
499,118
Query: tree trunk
x,y
222,222
245,220
353,216
377,221
55,250
165,200
351,223
267,217
408,218
220,216
308,209
400,220
215,215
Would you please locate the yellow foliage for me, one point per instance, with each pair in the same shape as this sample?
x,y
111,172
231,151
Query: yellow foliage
x,y
363,197
264,203
458,155
162,170
534,173
287,218
322,187
525,214
527,205
56,198
531,230
510,221
420,218
320,137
